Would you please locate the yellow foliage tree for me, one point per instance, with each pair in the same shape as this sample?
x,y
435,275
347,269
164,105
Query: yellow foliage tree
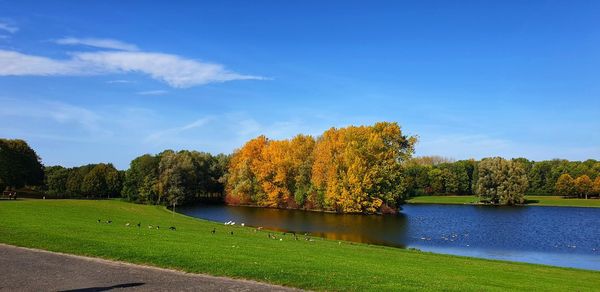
x,y
584,186
350,170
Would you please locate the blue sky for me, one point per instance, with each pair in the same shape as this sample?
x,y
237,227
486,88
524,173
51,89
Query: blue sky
x,y
107,81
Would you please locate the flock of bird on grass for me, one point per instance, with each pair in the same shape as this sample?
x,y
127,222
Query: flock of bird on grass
x,y
214,230
139,225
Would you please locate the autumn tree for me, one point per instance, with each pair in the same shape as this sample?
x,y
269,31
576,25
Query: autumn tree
x,y
583,186
596,186
243,186
353,169
565,185
501,181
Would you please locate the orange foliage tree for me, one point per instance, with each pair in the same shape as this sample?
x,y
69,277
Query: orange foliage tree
x,y
350,170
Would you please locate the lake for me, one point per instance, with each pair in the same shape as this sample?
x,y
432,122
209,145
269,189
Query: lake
x,y
559,236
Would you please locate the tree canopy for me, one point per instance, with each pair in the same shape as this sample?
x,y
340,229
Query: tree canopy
x,y
501,181
350,170
19,165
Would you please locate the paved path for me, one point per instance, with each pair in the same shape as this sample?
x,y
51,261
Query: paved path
x,y
23,269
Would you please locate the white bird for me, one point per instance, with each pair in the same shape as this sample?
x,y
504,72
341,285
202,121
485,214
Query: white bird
x,y
243,224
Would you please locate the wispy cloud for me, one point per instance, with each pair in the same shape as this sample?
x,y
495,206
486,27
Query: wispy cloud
x,y
5,26
98,43
16,64
153,92
121,81
176,71
160,135
58,112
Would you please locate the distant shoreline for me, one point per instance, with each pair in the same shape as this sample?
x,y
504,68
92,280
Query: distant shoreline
x,y
541,201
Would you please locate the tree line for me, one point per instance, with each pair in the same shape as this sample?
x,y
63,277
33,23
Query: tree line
x,y
356,169
434,175
166,178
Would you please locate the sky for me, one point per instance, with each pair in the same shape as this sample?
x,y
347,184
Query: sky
x,y
106,81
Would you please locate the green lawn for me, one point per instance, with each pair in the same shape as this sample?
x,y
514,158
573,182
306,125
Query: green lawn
x,y
70,226
531,200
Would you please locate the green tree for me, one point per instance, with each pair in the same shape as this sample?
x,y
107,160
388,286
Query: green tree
x,y
19,165
501,181
140,182
102,180
56,181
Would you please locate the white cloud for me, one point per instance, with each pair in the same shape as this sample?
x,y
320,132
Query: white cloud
x,y
176,71
122,81
98,43
16,64
153,92
8,27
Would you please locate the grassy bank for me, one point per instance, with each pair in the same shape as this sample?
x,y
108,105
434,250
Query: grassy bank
x,y
531,201
71,226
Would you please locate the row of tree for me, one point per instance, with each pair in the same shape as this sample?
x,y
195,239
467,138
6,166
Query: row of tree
x,y
91,181
166,178
175,177
434,175
582,187
365,169
350,170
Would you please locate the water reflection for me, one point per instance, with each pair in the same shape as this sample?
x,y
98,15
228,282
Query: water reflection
x,y
386,230
559,236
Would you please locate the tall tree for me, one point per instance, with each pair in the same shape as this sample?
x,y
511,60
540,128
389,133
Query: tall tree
x,y
501,181
596,186
103,180
565,185
19,165
584,186
56,181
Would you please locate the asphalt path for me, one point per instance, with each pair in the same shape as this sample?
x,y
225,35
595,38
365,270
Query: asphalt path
x,y
24,269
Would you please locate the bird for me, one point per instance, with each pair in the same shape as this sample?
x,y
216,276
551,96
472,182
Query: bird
x,y
243,224
213,231
157,227
150,227
231,232
127,224
139,224
99,220
108,222
172,228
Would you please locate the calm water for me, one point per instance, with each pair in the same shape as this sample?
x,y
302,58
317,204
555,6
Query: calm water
x,y
559,236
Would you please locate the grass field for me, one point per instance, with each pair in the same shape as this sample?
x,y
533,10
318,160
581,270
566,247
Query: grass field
x,y
531,200
71,226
